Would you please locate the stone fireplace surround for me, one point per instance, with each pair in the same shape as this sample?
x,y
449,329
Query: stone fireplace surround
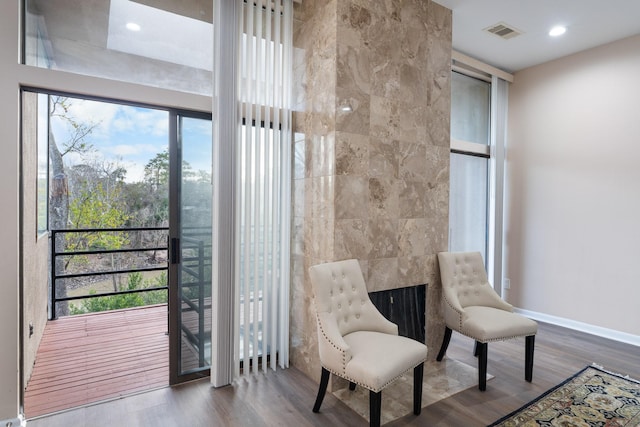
x,y
371,151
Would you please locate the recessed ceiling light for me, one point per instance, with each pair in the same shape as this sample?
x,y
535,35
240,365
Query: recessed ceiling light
x,y
558,30
132,26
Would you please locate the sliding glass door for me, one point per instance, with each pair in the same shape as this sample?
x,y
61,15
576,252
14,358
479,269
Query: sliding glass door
x,y
190,241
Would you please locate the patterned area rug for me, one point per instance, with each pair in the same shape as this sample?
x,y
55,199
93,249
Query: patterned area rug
x,y
591,398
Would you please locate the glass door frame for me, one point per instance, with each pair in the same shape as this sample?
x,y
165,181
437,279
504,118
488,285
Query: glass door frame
x,y
176,376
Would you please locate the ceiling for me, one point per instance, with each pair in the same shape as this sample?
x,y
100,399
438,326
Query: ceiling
x,y
589,23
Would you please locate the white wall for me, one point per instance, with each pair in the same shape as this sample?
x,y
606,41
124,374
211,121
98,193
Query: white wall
x,y
9,229
573,183
35,248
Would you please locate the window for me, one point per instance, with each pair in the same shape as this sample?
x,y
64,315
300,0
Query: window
x,y
169,45
42,205
470,140
468,203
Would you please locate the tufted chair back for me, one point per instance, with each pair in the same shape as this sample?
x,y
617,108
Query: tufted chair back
x,y
341,293
465,283
342,308
355,341
473,308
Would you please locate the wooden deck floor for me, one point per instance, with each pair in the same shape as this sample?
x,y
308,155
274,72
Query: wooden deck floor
x,y
95,357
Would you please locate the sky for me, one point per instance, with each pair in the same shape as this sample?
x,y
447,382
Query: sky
x,y
130,136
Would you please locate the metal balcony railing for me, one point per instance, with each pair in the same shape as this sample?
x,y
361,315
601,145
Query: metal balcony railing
x,y
58,255
194,274
195,292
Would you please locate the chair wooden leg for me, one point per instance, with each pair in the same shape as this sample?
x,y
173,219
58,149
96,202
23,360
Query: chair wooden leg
x,y
482,365
445,344
528,357
324,381
475,349
352,386
417,388
375,401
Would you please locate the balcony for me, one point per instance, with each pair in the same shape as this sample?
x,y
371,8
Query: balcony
x,y
107,333
99,356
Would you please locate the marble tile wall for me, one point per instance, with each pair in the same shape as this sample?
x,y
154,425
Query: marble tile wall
x,y
371,172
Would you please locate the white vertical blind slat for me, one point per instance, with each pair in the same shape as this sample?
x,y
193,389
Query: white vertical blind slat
x,y
268,289
238,199
257,283
278,81
285,218
224,167
246,183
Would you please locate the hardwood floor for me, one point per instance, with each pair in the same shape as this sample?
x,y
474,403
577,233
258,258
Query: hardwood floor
x,y
285,397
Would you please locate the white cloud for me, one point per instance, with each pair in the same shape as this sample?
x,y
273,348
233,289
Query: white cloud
x,y
133,150
135,171
111,118
153,122
101,114
125,135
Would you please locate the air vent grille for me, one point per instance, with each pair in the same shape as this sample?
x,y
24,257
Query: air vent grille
x,y
503,30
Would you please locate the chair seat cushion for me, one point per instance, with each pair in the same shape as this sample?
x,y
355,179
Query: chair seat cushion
x,y
491,324
378,359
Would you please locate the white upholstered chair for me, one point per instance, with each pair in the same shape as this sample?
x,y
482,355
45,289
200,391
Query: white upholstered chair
x,y
474,309
355,341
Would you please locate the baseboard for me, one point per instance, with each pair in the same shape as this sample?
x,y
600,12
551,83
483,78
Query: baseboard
x,y
582,327
13,422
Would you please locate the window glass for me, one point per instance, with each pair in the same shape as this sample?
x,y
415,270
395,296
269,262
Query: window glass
x,y
43,164
194,276
470,109
108,172
468,203
160,44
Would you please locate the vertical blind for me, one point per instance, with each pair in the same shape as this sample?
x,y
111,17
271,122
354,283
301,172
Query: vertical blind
x,y
263,193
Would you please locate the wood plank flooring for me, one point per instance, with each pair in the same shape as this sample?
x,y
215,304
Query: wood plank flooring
x,y
93,357
559,354
285,397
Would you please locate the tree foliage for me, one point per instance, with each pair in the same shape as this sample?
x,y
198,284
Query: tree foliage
x,y
77,142
96,203
156,171
97,208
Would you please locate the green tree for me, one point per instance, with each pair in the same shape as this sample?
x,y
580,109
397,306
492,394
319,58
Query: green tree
x,y
97,203
76,142
156,171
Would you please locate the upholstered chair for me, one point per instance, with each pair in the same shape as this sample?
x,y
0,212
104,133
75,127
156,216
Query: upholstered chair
x,y
356,342
474,309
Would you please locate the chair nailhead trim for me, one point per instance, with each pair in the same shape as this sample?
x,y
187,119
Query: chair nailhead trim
x,y
334,345
494,339
459,328
367,386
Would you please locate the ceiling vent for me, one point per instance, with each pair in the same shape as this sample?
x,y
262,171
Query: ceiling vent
x,y
503,30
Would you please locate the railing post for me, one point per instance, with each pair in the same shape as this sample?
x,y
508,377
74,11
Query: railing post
x,y
201,334
168,294
52,288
